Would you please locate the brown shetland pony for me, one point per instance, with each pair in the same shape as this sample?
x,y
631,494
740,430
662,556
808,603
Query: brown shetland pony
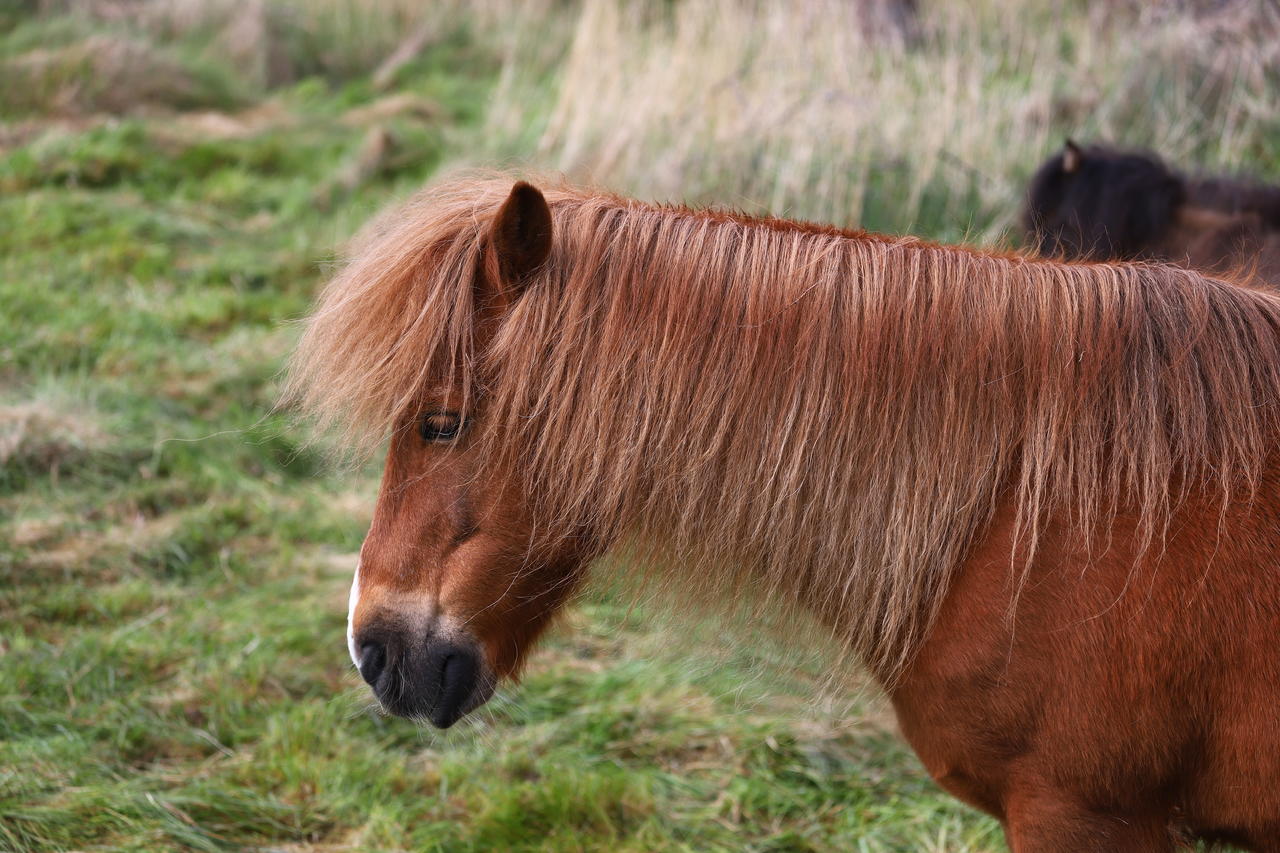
x,y
1101,203
1039,500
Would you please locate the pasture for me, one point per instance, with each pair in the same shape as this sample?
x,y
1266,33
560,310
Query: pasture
x,y
175,554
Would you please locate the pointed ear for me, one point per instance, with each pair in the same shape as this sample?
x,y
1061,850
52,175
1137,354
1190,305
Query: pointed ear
x,y
521,235
1072,156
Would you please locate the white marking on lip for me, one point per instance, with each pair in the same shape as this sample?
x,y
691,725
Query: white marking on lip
x,y
351,616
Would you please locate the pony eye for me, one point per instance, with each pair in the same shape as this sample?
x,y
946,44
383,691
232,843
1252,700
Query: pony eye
x,y
440,426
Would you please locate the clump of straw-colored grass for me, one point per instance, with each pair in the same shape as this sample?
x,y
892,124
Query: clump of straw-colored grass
x,y
807,111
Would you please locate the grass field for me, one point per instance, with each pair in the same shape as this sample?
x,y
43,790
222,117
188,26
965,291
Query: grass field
x,y
174,556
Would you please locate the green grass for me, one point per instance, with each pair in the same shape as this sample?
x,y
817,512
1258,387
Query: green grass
x,y
174,557
174,561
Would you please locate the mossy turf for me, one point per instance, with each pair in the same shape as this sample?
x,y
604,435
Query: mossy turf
x,y
174,558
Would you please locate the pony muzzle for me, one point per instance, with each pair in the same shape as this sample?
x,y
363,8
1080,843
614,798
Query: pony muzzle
x,y
433,677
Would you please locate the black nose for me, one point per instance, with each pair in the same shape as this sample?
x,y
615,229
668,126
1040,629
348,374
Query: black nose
x,y
433,678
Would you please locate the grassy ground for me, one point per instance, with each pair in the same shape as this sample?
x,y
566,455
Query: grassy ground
x,y
174,561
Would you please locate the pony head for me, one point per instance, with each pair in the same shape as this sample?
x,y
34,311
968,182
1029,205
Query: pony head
x,y
755,409
452,586
1097,203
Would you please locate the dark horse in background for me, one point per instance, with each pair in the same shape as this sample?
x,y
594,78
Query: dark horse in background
x,y
1100,203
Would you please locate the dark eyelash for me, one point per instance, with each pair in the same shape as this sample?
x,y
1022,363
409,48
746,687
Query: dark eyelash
x,y
440,426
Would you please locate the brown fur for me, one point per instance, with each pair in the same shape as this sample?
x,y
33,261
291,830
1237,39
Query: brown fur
x,y
993,475
1218,242
1132,697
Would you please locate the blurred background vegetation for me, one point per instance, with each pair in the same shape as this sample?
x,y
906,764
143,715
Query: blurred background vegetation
x,y
176,177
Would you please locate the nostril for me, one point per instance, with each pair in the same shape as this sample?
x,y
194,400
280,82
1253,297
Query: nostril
x,y
450,673
373,660
458,673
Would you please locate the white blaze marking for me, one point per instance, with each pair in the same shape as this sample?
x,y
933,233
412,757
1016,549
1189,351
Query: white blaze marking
x,y
351,615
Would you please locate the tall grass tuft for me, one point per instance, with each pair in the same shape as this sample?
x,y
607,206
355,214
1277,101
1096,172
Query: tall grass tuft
x,y
74,58
805,110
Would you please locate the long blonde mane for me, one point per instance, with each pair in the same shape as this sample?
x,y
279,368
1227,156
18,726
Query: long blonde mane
x,y
826,414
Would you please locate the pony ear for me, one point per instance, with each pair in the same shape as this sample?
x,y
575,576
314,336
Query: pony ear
x,y
1072,156
521,235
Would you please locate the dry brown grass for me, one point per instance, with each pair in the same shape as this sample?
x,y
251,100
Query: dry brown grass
x,y
798,110
104,73
129,56
48,431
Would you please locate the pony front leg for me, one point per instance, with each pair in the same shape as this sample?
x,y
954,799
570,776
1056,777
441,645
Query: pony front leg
x,y
1050,822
